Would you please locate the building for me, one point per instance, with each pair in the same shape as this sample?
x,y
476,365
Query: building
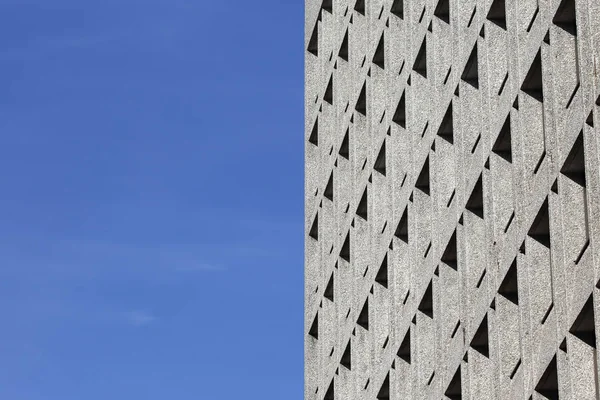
x,y
452,199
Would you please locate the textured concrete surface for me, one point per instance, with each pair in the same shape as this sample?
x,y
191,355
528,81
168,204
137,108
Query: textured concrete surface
x,y
452,199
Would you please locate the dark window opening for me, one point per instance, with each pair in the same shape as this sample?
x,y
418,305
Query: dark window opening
x,y
449,256
502,147
400,114
363,317
583,327
480,341
475,203
532,85
497,13
420,65
379,57
454,390
574,166
362,210
548,383
442,11
471,72
423,179
540,229
381,160
402,229
426,304
382,274
565,17
314,230
509,288
446,130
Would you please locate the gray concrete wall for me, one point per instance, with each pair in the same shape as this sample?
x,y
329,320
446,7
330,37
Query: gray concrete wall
x,y
452,199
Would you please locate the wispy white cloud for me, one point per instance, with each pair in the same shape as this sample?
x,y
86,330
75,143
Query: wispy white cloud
x,y
139,318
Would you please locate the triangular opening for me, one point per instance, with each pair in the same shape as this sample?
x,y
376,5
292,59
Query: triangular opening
x,y
565,17
345,251
502,146
379,57
548,384
343,53
398,8
563,345
363,317
404,350
327,5
380,161
442,11
583,327
426,304
328,97
480,341
314,135
345,147
454,390
328,193
590,119
497,13
360,6
540,229
554,186
471,72
330,394
446,130
423,179
422,14
402,229
346,360
400,114
382,274
313,43
314,229
361,103
475,203
509,288
329,289
449,256
574,166
384,391
532,85
420,65
314,328
363,206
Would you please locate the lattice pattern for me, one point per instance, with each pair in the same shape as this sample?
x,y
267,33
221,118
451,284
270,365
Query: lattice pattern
x,y
452,199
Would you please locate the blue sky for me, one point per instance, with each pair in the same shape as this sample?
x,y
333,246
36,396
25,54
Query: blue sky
x,y
151,208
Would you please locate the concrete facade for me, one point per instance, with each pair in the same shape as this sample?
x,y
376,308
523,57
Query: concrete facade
x,y
452,198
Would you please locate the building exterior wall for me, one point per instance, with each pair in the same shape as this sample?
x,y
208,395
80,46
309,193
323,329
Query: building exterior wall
x,y
452,195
